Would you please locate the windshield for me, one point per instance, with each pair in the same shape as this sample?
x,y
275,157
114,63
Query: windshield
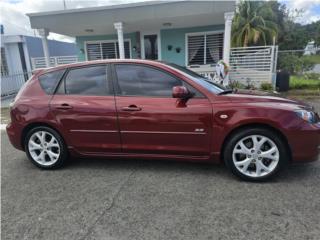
x,y
201,80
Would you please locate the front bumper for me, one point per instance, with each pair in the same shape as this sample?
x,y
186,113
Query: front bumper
x,y
305,142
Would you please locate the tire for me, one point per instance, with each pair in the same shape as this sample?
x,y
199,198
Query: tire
x,y
255,154
45,148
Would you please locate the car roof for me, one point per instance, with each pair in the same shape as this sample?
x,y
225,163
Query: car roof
x,y
104,61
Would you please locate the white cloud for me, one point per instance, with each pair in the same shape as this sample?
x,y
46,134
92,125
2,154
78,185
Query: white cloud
x,y
13,13
311,10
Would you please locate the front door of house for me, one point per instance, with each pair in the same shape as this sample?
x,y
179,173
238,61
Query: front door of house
x,y
150,46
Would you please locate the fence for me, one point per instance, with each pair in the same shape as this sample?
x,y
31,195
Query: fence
x,y
10,84
40,62
253,65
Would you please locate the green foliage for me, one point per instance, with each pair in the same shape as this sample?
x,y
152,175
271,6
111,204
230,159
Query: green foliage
x,y
257,22
300,82
253,24
294,64
237,85
266,86
313,58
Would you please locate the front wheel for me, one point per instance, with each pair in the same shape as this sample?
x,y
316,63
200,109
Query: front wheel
x,y
255,154
45,148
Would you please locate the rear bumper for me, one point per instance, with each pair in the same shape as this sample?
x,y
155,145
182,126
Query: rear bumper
x,y
14,132
305,143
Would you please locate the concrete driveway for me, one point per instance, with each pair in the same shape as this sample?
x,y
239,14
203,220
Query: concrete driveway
x,y
132,199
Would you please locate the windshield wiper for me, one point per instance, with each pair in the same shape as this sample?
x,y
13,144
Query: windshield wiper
x,y
227,91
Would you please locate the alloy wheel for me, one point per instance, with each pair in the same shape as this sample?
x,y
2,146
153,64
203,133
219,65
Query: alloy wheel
x,y
255,156
44,148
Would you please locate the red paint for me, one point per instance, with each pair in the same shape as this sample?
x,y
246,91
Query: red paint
x,y
150,127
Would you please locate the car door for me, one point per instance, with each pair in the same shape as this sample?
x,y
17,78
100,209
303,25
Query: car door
x,y
151,121
84,107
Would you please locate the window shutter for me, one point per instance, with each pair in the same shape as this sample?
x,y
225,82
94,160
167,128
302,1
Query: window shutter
x,y
94,51
196,50
106,50
204,48
214,48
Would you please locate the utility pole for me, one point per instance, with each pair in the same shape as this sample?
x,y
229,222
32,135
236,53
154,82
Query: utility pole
x,y
64,5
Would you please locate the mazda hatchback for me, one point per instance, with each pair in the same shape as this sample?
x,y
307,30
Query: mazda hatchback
x,y
154,110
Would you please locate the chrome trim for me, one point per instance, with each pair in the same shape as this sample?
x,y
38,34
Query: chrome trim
x,y
159,132
94,131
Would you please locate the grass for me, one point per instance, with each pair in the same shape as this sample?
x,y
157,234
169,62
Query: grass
x,y
5,116
300,82
313,58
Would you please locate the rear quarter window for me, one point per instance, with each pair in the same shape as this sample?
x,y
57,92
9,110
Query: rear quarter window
x,y
50,80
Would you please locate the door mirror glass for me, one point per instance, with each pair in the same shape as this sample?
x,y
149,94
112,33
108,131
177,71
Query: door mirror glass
x,y
181,92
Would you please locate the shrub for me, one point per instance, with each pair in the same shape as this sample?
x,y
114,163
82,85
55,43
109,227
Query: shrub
x,y
237,85
266,86
294,64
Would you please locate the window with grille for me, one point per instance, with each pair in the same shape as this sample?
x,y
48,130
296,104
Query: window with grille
x,y
4,64
105,50
205,48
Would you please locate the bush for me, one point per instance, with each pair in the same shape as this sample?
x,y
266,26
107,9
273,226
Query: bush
x,y
294,64
312,75
237,85
266,86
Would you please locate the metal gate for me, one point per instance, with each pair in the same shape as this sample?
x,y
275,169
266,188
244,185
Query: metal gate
x,y
253,65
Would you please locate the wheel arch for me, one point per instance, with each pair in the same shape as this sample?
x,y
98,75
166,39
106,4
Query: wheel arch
x,y
32,125
255,125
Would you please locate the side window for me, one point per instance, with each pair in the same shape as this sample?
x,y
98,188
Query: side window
x,y
86,81
49,81
197,94
140,80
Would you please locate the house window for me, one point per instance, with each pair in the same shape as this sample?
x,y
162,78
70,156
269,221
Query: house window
x,y
204,48
4,64
106,50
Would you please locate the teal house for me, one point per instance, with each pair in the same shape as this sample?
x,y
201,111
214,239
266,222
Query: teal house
x,y
195,34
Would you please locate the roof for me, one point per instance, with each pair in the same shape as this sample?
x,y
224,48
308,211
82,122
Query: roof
x,y
143,16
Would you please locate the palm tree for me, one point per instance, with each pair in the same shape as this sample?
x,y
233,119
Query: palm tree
x,y
254,24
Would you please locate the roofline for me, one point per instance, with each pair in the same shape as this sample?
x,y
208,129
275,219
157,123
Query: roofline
x,y
101,8
103,61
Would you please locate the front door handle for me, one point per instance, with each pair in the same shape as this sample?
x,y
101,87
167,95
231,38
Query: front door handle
x,y
64,106
131,108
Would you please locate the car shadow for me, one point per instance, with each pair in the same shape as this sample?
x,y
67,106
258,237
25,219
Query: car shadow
x,y
292,173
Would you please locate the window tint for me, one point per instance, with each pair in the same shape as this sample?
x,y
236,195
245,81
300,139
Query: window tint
x,y
135,80
49,81
87,81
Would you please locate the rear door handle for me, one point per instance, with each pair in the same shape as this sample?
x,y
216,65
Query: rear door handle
x,y
131,108
64,106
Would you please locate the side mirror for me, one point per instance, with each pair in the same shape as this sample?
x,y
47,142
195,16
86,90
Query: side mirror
x,y
181,92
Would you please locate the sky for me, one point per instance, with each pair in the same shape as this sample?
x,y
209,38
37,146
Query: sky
x,y
12,12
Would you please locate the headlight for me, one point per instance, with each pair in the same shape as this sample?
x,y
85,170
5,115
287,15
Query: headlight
x,y
308,116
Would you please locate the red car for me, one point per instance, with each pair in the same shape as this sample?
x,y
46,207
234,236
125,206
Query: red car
x,y
147,109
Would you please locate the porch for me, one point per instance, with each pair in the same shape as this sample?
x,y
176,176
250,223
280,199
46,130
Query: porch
x,y
183,32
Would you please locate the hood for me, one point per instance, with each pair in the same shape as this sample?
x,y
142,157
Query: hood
x,y
265,98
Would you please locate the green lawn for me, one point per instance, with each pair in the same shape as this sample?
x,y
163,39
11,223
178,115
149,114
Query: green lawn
x,y
313,58
300,82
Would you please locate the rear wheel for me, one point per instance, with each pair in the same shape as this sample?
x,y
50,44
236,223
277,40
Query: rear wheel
x,y
255,154
45,148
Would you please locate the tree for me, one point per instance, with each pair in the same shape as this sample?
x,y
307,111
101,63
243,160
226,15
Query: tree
x,y
254,24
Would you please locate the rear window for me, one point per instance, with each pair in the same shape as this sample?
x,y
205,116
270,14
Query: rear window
x,y
49,81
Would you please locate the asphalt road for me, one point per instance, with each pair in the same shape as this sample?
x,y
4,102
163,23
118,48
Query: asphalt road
x,y
133,199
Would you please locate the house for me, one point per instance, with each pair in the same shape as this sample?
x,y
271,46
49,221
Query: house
x,y
188,33
310,48
20,54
